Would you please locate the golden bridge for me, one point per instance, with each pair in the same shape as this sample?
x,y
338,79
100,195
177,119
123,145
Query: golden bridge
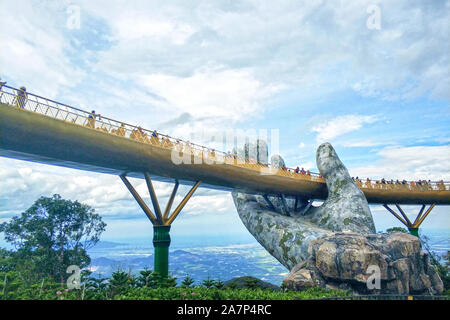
x,y
38,129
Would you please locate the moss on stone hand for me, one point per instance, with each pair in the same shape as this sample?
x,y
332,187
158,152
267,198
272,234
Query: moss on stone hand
x,y
339,185
286,236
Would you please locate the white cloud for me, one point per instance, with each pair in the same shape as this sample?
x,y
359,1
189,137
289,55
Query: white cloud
x,y
221,203
410,163
308,165
340,125
34,50
228,58
136,25
223,94
364,143
105,193
313,46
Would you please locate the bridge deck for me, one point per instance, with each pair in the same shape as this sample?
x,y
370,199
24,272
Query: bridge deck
x,y
41,130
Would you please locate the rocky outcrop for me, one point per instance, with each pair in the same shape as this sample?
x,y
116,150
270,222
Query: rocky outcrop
x,y
332,245
352,261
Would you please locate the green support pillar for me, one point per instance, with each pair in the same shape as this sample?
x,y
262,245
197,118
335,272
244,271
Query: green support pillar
x,y
414,231
161,222
161,242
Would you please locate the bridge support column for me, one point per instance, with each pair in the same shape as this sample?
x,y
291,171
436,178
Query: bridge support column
x,y
161,221
270,204
413,227
161,243
414,231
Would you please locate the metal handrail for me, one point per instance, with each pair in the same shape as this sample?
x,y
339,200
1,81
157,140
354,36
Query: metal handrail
x,y
48,107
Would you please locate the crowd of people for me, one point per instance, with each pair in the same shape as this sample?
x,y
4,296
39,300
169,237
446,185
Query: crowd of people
x,y
297,170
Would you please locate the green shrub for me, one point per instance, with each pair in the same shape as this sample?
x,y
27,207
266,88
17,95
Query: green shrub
x,y
147,286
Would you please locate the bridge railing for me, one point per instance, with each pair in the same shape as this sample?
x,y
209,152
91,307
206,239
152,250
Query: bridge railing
x,y
54,109
48,107
406,185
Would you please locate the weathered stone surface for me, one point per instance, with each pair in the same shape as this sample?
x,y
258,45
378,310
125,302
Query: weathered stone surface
x,y
342,260
302,278
285,233
346,208
284,237
277,161
332,245
262,153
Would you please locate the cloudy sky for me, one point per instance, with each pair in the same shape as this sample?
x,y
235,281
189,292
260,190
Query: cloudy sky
x,y
371,77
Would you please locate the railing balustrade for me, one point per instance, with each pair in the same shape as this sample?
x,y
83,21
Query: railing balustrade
x,y
31,102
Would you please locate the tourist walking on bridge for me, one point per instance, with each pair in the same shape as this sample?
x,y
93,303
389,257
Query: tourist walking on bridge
x,y
91,119
121,130
155,137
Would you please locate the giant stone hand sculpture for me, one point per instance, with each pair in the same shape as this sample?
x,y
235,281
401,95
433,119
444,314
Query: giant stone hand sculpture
x,y
333,245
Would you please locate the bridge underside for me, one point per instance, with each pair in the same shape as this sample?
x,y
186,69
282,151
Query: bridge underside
x,y
34,137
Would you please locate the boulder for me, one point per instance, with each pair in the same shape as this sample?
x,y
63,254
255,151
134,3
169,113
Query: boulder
x,y
347,260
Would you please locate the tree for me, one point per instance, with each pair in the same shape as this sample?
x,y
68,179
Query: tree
x,y
121,282
208,282
219,284
187,282
169,282
447,259
251,283
6,263
442,269
53,234
145,279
